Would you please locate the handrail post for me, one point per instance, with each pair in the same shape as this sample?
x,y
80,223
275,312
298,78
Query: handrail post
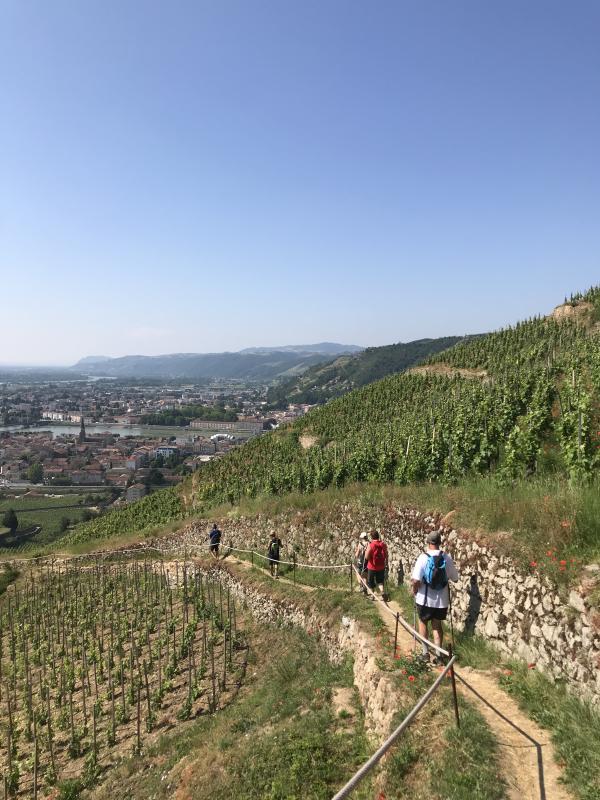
x,y
294,566
252,557
454,694
396,635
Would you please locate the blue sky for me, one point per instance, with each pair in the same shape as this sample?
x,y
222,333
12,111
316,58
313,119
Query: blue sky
x,y
206,176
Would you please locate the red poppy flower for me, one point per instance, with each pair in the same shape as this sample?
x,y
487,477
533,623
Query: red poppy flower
x,y
533,564
411,678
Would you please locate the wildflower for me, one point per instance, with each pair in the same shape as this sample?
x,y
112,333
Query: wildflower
x,y
411,678
530,666
507,672
562,562
533,564
549,553
404,672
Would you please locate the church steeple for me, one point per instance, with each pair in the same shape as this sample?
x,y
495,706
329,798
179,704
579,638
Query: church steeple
x,y
82,431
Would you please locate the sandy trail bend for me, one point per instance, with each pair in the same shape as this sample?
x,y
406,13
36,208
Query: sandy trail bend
x,y
527,757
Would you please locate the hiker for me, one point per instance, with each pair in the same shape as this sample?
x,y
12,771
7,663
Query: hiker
x,y
431,573
273,554
215,539
359,558
376,558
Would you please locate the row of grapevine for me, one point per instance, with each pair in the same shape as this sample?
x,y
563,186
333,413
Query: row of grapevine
x,y
541,389
94,658
157,508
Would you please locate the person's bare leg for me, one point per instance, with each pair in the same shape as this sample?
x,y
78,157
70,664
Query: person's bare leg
x,y
438,632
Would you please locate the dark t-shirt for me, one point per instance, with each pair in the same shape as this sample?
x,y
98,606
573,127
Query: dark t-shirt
x,y
274,546
215,536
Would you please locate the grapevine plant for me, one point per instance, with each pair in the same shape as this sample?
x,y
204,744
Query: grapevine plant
x,y
95,657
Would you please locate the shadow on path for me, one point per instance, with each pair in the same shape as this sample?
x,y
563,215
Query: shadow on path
x,y
533,743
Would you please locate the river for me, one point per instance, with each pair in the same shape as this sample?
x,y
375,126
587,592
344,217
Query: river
x,y
149,431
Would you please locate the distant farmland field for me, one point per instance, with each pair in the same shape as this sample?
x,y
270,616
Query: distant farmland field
x,y
46,512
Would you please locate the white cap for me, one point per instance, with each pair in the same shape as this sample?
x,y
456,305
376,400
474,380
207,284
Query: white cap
x,y
364,535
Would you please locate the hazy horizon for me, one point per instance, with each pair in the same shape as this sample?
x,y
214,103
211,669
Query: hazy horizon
x,y
224,174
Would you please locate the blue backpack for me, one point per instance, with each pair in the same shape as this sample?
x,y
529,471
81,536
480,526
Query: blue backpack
x,y
435,571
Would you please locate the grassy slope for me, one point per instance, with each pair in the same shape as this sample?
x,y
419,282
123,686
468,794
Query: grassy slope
x,y
258,747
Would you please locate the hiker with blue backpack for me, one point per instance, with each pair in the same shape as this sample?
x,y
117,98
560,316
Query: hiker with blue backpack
x,y
430,576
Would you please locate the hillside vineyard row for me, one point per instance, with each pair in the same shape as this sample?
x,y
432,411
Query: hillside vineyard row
x,y
535,409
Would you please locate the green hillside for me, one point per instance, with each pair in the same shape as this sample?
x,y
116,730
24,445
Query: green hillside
x,y
524,404
534,408
324,382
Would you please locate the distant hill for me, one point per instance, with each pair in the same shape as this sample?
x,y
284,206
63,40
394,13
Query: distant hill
x,y
89,360
262,366
332,379
323,348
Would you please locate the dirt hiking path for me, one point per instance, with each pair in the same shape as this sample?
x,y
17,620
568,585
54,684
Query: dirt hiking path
x,y
527,757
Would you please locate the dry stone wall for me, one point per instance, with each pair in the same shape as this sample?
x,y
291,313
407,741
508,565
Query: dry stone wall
x,y
522,614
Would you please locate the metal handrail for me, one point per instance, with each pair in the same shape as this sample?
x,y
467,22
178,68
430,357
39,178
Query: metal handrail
x,y
382,750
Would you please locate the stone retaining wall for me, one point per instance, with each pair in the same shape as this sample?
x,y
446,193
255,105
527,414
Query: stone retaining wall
x,y
522,614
